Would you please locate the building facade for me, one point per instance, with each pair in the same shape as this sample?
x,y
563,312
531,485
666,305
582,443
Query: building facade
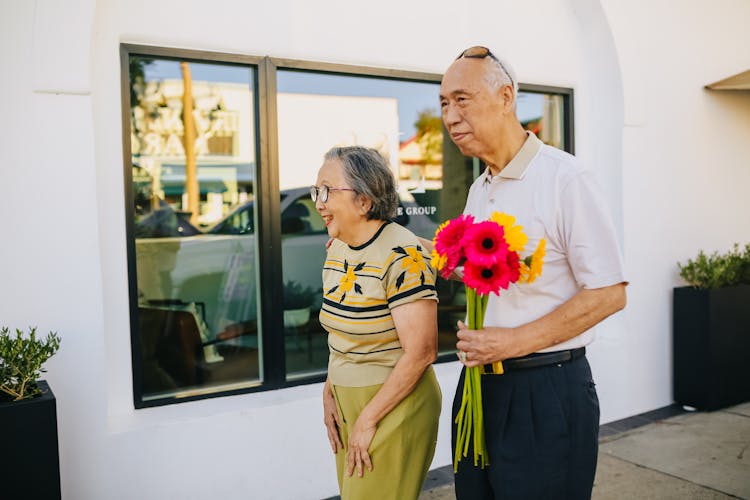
x,y
670,156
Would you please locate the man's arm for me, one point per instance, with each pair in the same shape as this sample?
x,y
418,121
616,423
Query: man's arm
x,y
570,319
426,243
457,274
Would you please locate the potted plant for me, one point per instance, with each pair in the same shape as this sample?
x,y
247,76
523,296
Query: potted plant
x,y
297,302
711,336
29,462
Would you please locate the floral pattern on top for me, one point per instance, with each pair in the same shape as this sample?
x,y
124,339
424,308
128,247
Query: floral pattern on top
x,y
348,280
412,262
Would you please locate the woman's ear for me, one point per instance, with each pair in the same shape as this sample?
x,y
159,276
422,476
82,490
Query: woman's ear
x,y
365,204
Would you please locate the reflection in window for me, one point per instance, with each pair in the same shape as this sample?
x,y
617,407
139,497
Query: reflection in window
x,y
192,173
543,115
400,119
195,214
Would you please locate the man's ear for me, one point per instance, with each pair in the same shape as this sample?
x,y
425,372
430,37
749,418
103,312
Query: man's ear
x,y
509,99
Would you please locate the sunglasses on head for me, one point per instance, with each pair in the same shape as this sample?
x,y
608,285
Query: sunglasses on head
x,y
479,52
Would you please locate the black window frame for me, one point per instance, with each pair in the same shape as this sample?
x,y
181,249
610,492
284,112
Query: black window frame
x,y
267,200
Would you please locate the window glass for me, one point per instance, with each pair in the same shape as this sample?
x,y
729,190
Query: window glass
x,y
542,113
196,218
399,118
193,165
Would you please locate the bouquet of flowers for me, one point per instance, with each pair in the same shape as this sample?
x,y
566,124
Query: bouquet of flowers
x,y
490,254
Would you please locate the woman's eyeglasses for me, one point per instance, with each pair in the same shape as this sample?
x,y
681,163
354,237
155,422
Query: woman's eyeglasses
x,y
322,192
479,52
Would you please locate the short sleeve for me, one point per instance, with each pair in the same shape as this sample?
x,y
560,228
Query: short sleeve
x,y
589,234
409,275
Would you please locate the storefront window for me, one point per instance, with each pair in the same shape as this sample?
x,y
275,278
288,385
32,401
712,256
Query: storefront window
x,y
193,165
317,111
225,283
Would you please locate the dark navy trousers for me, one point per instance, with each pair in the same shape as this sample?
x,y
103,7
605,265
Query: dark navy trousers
x,y
542,430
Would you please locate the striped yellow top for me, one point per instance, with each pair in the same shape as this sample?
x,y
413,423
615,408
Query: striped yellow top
x,y
360,287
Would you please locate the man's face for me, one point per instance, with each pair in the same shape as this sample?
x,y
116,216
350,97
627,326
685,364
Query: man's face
x,y
473,113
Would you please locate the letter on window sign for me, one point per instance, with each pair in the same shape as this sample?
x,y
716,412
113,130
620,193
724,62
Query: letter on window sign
x,y
420,210
431,210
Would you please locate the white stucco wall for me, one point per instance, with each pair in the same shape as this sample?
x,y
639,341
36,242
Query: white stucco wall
x,y
671,158
685,175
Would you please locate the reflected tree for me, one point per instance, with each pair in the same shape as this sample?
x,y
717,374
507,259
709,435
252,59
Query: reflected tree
x,y
429,135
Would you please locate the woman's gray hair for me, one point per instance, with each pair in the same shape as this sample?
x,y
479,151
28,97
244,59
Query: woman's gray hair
x,y
368,174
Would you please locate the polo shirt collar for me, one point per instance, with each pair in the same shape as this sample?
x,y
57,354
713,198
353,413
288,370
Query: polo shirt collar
x,y
518,165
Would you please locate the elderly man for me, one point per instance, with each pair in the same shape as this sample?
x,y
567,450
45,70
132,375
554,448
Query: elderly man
x,y
542,414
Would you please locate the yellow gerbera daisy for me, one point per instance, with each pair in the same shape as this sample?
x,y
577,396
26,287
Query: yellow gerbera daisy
x,y
514,235
438,261
537,259
524,271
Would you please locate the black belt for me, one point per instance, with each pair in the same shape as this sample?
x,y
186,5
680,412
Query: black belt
x,y
539,359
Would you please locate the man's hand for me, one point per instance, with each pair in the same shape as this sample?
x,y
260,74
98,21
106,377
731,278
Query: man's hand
x,y
573,317
487,345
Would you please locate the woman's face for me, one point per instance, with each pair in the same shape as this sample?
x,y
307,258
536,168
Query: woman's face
x,y
344,211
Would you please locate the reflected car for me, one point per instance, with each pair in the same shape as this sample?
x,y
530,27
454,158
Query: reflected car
x,y
165,221
217,268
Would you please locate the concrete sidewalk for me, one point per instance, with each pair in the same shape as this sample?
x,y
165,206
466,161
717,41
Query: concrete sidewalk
x,y
685,455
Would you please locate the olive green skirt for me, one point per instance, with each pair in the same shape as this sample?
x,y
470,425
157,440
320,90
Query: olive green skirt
x,y
402,448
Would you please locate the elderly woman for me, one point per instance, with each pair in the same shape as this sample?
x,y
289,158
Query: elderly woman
x,y
381,399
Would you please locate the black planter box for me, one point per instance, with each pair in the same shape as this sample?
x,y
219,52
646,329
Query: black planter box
x,y
711,341
29,460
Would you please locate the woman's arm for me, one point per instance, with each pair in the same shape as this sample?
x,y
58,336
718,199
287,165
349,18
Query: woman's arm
x,y
416,324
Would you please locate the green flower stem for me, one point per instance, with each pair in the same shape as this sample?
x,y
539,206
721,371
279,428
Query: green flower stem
x,y
470,418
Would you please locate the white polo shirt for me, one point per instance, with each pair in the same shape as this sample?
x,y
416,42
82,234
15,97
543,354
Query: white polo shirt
x,y
552,197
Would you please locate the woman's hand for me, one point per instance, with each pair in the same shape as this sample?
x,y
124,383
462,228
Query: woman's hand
x,y
359,444
331,418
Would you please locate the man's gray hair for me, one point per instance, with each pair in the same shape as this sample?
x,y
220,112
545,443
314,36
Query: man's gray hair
x,y
502,74
368,174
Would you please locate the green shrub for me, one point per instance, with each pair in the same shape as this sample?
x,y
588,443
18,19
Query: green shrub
x,y
718,270
21,361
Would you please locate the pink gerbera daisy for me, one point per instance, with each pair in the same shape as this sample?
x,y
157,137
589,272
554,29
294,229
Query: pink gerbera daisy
x,y
484,243
514,266
449,237
453,260
486,279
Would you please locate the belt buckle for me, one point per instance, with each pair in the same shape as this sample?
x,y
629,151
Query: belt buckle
x,y
495,368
